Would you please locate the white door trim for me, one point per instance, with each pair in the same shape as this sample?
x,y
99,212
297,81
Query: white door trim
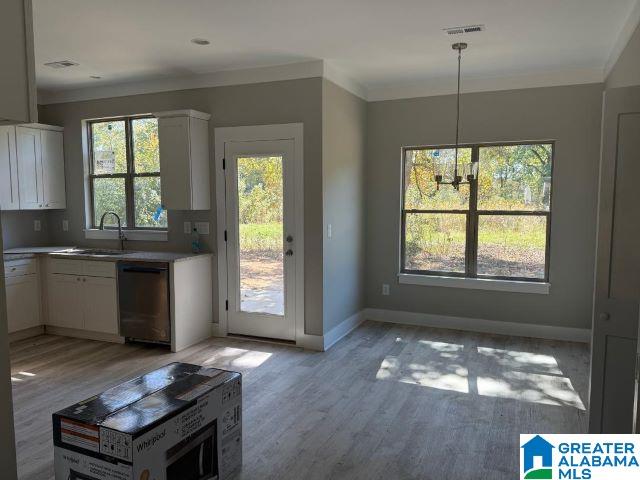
x,y
288,131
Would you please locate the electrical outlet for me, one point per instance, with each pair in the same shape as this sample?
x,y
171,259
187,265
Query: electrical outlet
x,y
37,226
187,228
65,225
329,233
202,228
385,289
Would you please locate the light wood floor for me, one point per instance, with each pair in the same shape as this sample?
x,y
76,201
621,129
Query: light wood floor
x,y
387,402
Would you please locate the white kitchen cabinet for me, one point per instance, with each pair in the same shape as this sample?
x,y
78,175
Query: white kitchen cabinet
x,y
65,301
23,302
184,159
40,155
53,184
29,167
18,79
83,295
9,199
100,304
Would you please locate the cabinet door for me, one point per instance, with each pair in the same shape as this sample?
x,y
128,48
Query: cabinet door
x,y
100,304
23,302
66,301
29,151
9,199
53,184
175,173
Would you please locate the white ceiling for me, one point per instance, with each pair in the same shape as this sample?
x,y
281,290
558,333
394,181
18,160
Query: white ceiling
x,y
381,44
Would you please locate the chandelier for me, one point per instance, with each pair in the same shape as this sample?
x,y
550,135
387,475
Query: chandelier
x,y
456,173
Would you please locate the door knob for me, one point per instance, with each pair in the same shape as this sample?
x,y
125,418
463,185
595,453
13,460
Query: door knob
x,y
604,316
289,239
289,253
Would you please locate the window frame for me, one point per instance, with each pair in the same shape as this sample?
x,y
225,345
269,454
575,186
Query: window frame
x,y
473,216
129,177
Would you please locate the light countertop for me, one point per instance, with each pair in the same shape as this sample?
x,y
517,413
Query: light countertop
x,y
73,253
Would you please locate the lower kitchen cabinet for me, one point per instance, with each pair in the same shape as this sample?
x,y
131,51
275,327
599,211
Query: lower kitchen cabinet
x,y
100,304
23,302
83,303
65,298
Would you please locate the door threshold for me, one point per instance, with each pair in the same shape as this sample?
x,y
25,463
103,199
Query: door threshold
x,y
277,341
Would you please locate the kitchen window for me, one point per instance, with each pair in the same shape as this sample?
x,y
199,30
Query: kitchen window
x,y
124,173
494,227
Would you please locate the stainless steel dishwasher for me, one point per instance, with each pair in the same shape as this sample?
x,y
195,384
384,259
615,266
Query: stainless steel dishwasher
x,y
143,291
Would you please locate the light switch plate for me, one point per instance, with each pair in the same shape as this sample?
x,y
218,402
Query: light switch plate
x,y
37,226
202,228
65,225
187,228
385,289
329,233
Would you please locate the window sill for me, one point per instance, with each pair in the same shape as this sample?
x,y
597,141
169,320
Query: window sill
x,y
476,283
145,235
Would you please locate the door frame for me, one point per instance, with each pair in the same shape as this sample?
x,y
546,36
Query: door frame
x,y
286,131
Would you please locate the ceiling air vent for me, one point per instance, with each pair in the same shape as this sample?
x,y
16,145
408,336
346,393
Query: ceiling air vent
x,y
62,64
465,29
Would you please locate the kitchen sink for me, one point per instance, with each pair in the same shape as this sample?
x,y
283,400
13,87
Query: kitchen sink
x,y
97,252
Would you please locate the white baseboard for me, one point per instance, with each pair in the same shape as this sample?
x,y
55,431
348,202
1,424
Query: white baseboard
x,y
26,333
342,329
311,342
549,332
73,332
216,331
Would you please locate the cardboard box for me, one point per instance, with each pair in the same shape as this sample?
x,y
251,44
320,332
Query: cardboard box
x,y
180,422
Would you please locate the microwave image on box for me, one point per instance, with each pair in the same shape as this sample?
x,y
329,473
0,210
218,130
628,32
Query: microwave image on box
x,y
73,475
195,457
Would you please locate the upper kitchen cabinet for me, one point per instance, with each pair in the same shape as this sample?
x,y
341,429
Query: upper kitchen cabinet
x,y
9,199
184,159
17,80
40,167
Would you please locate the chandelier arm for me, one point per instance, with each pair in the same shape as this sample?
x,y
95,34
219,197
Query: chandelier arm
x,y
455,171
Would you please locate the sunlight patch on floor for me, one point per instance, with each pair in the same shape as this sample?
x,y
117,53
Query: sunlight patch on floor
x,y
531,387
442,369
527,360
238,358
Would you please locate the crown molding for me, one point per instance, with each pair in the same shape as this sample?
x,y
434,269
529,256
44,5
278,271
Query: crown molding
x,y
628,29
325,69
447,86
291,71
342,79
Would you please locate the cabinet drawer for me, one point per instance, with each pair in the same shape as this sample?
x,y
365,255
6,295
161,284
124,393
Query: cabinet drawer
x,y
99,269
17,268
68,267
87,268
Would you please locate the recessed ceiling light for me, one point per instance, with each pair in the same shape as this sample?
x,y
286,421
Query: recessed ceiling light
x,y
96,77
200,41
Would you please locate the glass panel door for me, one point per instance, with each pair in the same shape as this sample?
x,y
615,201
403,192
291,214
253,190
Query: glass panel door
x,y
260,228
261,248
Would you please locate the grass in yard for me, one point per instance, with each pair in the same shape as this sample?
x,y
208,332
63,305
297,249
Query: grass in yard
x,y
261,237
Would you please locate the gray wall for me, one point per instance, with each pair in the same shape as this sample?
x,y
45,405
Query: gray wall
x,y
344,118
570,115
17,228
626,71
256,104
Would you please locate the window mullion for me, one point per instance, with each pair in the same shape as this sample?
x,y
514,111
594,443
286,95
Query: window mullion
x,y
472,223
130,209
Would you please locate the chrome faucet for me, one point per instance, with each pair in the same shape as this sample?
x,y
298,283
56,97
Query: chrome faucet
x,y
120,234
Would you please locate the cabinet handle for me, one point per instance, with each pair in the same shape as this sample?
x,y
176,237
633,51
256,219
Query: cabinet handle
x,y
78,279
84,279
